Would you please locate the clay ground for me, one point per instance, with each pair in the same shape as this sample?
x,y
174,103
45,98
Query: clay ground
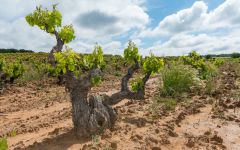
x,y
37,116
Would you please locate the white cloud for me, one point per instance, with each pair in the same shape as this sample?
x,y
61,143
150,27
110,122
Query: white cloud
x,y
18,34
196,28
126,14
226,15
114,47
184,20
105,18
182,44
197,19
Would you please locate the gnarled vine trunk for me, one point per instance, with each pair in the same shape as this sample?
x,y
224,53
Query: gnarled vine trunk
x,y
89,115
128,76
124,84
57,48
141,91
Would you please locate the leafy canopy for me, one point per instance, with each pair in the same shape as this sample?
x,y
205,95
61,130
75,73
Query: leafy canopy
x,y
15,70
152,65
79,64
195,60
217,61
2,64
67,60
67,33
73,62
206,70
137,84
96,59
12,70
49,21
45,19
131,54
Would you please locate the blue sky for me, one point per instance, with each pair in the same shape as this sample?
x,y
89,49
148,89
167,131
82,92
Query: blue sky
x,y
162,27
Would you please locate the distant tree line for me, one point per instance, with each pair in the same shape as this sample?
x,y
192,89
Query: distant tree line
x,y
233,55
12,50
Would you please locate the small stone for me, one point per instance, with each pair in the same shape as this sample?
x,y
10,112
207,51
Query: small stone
x,y
46,106
152,139
23,126
114,145
207,133
157,131
172,134
216,138
231,117
136,138
84,147
156,148
231,106
190,143
139,137
165,141
130,111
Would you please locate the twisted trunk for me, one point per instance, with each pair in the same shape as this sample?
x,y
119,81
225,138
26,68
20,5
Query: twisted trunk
x,y
57,48
88,115
141,91
125,92
128,76
80,112
119,96
93,114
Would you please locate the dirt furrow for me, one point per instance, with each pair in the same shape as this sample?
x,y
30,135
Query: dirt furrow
x,y
208,128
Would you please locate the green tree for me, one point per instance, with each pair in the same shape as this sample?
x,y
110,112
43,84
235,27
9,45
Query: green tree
x,y
235,55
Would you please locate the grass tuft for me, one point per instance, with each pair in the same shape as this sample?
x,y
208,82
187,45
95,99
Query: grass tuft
x,y
179,79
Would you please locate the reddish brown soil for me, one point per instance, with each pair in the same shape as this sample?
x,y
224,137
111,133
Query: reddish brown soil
x,y
41,116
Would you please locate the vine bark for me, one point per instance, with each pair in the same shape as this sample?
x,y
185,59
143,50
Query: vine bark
x,y
89,115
